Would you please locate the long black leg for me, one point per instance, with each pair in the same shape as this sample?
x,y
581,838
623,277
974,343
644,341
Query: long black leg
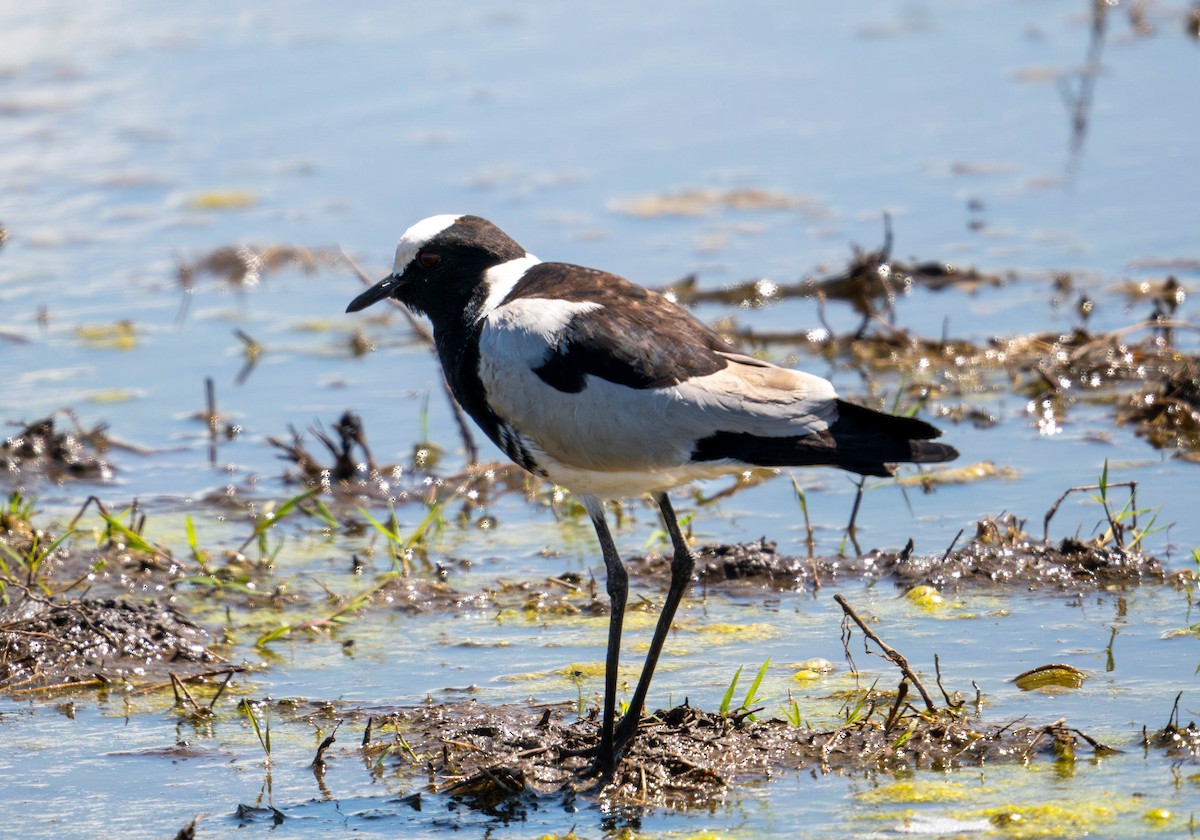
x,y
618,593
682,563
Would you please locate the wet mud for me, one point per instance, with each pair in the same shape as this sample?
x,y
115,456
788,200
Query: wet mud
x,y
505,759
114,616
993,559
73,643
96,640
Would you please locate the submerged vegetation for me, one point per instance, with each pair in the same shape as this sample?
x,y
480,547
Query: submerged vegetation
x,y
127,602
195,605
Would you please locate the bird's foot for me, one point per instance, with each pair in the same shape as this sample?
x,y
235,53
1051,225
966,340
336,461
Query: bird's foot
x,y
604,760
598,772
601,768
580,752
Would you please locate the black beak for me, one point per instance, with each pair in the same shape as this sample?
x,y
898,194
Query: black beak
x,y
383,289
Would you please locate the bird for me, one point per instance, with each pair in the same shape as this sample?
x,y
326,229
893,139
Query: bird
x,y
613,391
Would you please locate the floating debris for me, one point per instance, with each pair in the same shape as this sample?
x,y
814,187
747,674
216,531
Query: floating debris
x,y
956,475
245,266
871,282
1050,678
40,448
702,202
121,335
346,466
1178,741
222,200
1167,413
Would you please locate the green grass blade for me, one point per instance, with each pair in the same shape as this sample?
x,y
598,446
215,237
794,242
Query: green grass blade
x,y
1144,532
132,538
380,527
264,740
20,561
270,518
267,521
190,528
272,635
432,517
729,692
324,514
54,546
857,712
753,692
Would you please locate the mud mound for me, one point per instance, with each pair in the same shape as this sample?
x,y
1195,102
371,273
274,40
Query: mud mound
x,y
989,560
502,759
95,642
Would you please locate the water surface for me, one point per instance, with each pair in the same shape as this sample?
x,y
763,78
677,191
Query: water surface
x,y
138,137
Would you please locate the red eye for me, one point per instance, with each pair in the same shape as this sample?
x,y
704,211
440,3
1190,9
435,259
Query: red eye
x,y
428,259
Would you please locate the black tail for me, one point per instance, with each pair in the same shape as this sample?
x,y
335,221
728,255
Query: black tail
x,y
870,442
861,440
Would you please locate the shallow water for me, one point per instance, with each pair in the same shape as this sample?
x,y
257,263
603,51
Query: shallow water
x,y
323,127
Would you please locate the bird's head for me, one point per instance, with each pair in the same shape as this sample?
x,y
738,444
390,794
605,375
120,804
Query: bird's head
x,y
442,266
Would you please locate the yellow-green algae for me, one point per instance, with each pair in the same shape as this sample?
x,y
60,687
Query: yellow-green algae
x,y
723,633
121,335
812,670
926,597
1074,818
230,199
115,395
921,791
